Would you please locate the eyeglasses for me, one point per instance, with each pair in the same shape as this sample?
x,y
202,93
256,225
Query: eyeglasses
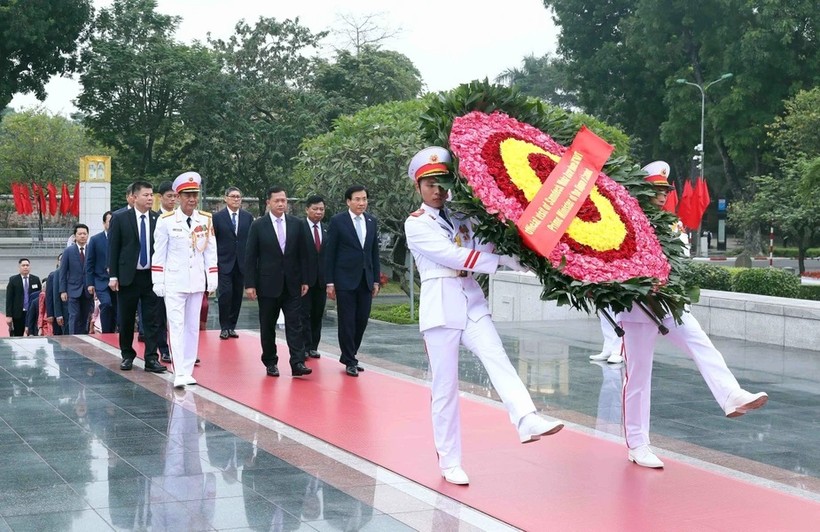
x,y
234,196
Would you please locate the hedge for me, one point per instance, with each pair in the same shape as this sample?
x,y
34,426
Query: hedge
x,y
762,281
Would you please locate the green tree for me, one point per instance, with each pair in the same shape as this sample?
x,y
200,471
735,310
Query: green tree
x,y
370,77
624,56
543,77
372,148
38,147
38,40
790,199
248,114
134,79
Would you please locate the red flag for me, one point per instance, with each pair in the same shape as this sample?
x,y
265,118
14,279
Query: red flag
x,y
39,197
26,199
65,200
52,199
671,204
702,193
75,202
687,207
15,192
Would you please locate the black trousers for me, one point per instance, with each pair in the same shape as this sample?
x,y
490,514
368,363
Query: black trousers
x,y
269,308
18,325
353,309
313,310
231,291
141,292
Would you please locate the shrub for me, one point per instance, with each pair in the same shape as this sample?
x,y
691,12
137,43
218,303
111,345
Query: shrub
x,y
811,292
707,276
766,282
399,314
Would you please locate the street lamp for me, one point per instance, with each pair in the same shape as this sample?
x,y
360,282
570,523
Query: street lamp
x,y
700,147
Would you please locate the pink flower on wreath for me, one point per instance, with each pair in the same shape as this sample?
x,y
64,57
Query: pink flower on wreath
x,y
610,240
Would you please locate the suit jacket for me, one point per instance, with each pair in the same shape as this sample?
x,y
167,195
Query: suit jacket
x,y
346,258
52,277
72,272
96,262
124,244
315,274
267,269
14,294
230,246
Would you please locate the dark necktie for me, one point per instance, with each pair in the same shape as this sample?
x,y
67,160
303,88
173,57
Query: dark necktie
x,y
316,241
443,214
82,255
233,221
189,222
143,243
25,293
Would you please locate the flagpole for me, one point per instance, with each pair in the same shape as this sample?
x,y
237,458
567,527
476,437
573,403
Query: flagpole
x,y
700,147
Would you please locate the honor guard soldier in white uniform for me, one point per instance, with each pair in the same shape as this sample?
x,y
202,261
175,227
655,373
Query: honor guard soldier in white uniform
x,y
639,347
454,311
183,268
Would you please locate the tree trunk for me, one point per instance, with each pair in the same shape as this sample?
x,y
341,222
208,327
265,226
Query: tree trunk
x,y
752,241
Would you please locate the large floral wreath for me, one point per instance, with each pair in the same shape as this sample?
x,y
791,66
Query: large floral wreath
x,y
613,253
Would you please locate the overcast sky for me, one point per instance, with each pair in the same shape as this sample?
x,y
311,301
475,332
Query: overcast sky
x,y
449,41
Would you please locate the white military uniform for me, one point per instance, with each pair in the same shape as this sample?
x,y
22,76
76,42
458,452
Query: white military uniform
x,y
184,262
454,311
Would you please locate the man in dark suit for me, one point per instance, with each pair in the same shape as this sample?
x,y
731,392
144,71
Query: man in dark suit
x,y
53,305
168,199
59,308
275,266
96,269
130,246
231,227
352,272
313,303
73,287
18,290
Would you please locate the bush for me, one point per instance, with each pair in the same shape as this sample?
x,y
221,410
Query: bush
x,y
811,292
766,282
398,314
707,276
792,252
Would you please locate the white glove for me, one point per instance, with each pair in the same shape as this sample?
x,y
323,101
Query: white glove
x,y
159,289
511,262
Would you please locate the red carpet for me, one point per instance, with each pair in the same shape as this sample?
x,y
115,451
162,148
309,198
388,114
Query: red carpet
x,y
570,481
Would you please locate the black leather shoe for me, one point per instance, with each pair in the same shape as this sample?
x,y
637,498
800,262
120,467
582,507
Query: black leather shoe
x,y
232,333
197,362
223,334
314,354
154,367
300,369
272,371
165,357
353,371
127,364
141,338
360,368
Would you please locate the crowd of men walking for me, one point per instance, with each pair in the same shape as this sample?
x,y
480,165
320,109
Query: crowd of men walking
x,y
150,271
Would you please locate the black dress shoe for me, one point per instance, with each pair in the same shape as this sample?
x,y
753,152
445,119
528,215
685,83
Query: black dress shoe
x,y
223,334
127,364
141,338
360,368
314,354
165,357
197,362
273,371
353,371
232,333
154,367
300,369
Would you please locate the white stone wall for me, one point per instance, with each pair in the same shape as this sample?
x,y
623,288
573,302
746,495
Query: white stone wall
x,y
771,320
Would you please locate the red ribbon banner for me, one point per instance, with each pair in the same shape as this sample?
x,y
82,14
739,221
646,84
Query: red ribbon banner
x,y
559,199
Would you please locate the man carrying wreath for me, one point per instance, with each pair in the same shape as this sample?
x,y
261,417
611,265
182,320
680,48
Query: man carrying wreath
x,y
453,311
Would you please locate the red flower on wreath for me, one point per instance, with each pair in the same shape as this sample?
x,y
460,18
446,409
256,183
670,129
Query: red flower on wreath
x,y
505,162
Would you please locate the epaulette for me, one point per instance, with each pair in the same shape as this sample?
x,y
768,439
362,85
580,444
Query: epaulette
x,y
167,214
417,213
204,213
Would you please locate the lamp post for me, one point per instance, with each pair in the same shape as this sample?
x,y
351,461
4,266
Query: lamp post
x,y
700,147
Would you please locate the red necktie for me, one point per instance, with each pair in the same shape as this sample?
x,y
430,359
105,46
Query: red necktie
x,y
316,240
